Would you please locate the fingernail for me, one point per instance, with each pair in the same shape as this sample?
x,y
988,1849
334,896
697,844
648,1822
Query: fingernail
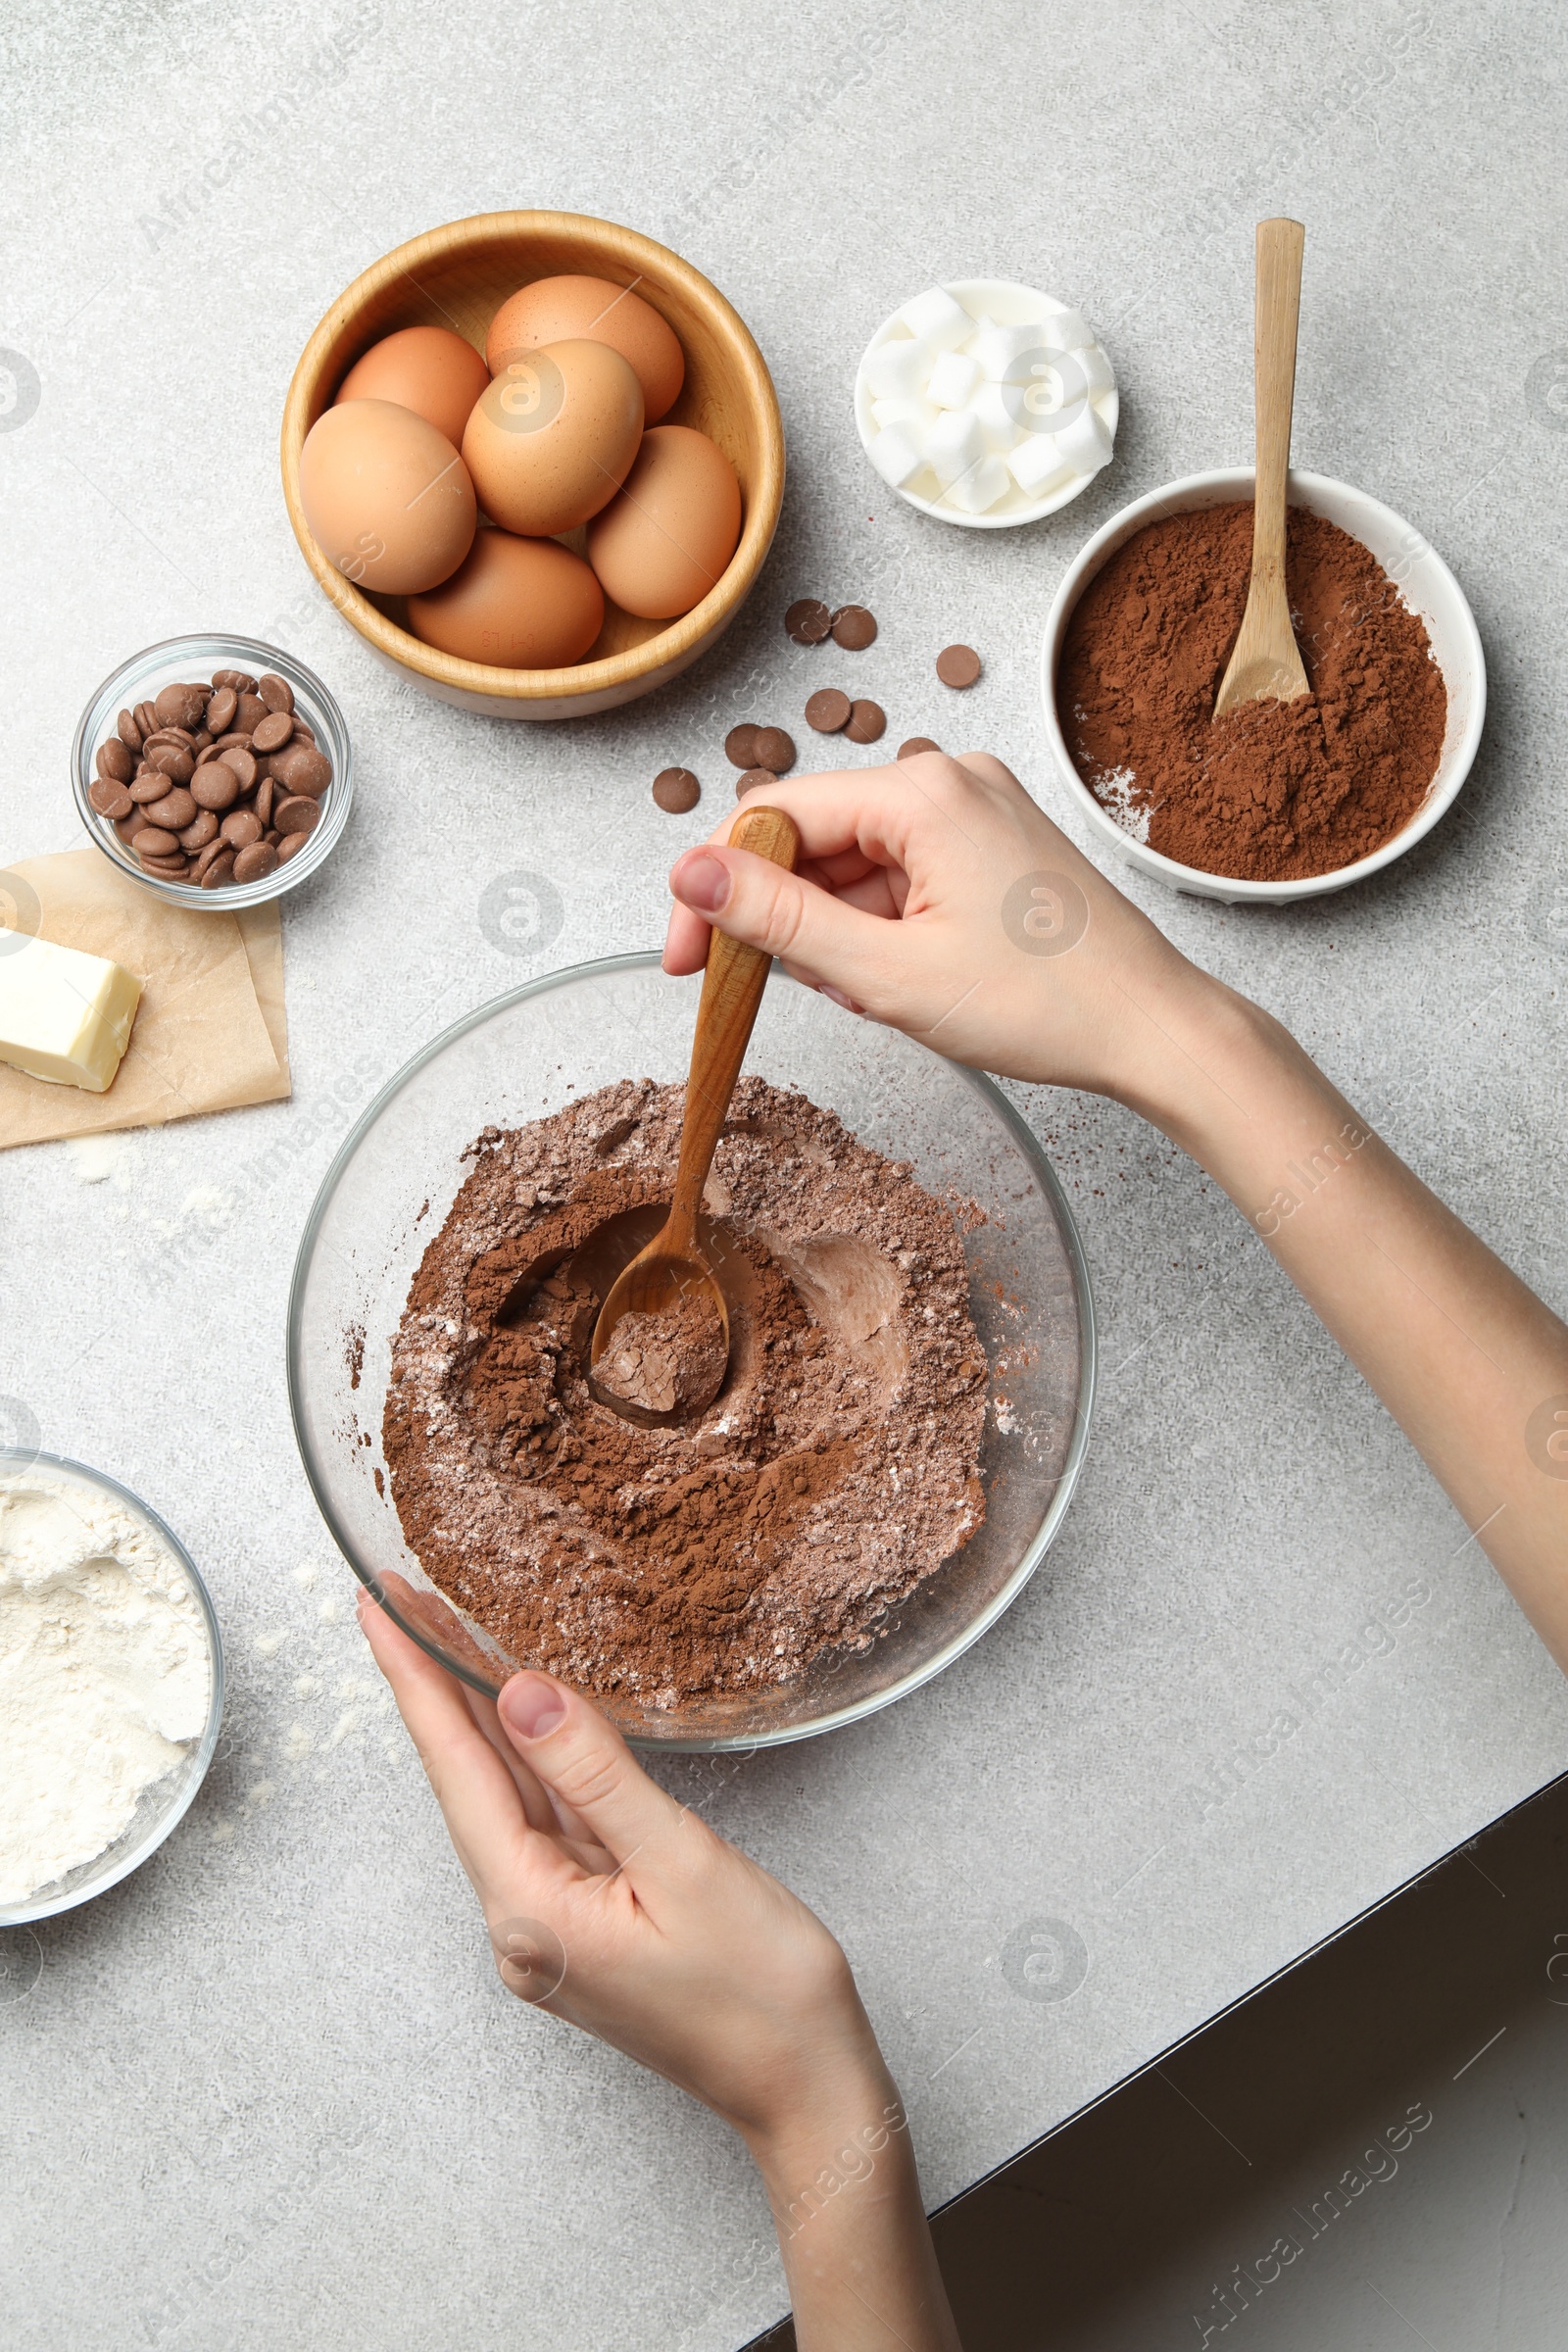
x,y
836,995
702,882
531,1706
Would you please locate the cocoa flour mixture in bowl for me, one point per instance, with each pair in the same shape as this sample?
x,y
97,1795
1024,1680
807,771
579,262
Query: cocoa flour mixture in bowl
x,y
1277,800
907,1395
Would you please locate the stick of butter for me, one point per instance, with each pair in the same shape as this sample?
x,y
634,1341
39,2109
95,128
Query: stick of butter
x,y
64,1015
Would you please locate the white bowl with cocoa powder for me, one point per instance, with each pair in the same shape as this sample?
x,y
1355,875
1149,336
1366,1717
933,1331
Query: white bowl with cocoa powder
x,y
1424,584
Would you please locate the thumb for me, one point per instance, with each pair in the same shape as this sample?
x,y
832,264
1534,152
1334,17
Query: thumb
x,y
585,1762
815,934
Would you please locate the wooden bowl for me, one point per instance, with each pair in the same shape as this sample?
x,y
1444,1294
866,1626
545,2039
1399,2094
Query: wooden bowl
x,y
458,276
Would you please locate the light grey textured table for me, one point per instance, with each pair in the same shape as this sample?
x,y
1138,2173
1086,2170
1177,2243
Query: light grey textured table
x,y
269,2091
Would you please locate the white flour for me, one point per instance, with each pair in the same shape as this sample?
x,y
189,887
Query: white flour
x,y
105,1676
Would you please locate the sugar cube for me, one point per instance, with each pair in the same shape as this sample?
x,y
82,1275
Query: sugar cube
x,y
896,454
980,488
935,318
953,444
953,378
1037,464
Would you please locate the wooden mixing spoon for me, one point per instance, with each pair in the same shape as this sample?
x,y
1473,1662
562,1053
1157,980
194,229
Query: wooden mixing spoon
x,y
674,1265
1265,663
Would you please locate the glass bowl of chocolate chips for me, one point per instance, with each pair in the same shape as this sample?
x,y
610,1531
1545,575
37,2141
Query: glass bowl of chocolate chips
x,y
904,1411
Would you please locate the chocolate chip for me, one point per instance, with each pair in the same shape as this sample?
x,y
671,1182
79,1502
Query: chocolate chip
x,y
151,785
303,733
201,829
214,786
853,627
239,679
273,732
276,692
113,760
739,746
303,768
774,748
221,708
146,718
251,713
129,733
828,710
868,722
917,743
174,812
172,869
290,845
110,798
256,863
265,790
175,761
241,827
180,705
754,779
242,764
214,867
153,842
296,814
809,621
675,789
958,666
127,827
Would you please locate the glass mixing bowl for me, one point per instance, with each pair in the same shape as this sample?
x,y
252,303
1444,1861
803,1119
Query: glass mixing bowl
x,y
391,1185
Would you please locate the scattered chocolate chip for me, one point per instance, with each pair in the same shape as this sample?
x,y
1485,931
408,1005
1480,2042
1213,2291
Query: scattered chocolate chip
x,y
754,779
739,746
958,666
868,722
675,789
853,627
774,748
917,743
809,621
828,710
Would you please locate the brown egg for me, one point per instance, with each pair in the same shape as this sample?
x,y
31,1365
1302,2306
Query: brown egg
x,y
387,497
517,604
553,439
426,369
554,310
662,545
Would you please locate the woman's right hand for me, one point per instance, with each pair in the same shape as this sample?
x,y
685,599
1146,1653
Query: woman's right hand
x,y
935,895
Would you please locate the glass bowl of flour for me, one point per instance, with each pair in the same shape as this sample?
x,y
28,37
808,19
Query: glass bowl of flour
x,y
111,1684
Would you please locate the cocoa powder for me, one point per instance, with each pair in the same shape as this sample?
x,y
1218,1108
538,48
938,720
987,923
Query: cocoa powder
x,y
1273,791
836,1468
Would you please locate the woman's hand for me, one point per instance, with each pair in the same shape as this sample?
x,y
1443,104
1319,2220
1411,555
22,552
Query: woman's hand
x,y
637,1922
937,896
610,1904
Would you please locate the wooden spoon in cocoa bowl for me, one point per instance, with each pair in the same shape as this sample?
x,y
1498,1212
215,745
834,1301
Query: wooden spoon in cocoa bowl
x,y
670,1363
1265,663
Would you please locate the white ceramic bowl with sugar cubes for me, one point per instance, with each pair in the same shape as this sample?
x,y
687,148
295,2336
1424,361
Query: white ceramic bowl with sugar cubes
x,y
986,403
